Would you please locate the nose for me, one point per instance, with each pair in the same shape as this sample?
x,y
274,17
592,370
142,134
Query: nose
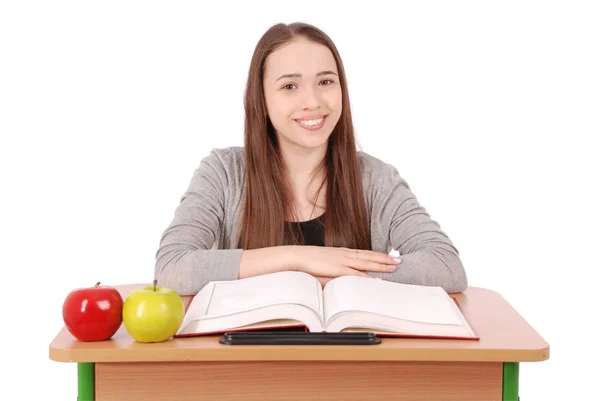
x,y
311,99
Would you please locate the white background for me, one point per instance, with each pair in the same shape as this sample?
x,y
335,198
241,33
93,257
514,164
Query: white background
x,y
490,111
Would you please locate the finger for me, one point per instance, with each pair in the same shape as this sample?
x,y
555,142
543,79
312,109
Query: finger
x,y
364,265
369,265
372,256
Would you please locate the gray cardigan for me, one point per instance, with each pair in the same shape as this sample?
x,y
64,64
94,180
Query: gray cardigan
x,y
199,244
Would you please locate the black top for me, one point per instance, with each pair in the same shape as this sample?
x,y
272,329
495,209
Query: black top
x,y
312,230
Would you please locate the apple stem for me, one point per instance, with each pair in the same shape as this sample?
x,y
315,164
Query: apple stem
x,y
97,284
155,281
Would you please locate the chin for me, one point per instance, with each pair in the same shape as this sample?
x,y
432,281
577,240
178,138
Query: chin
x,y
314,142
302,140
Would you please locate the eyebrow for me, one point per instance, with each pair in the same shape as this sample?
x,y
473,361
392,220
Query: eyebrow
x,y
296,75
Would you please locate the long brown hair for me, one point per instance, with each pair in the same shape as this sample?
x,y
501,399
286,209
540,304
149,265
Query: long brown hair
x,y
268,196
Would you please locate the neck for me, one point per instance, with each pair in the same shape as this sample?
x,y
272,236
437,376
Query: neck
x,y
303,164
305,171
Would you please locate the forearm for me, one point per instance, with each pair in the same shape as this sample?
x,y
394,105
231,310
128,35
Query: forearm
x,y
256,262
432,267
187,272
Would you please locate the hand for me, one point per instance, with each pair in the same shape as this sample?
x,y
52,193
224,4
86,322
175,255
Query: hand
x,y
325,280
327,263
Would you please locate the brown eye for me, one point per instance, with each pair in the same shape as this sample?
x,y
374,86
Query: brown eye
x,y
327,80
288,86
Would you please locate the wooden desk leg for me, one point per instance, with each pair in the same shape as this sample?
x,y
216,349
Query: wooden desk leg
x,y
510,381
86,381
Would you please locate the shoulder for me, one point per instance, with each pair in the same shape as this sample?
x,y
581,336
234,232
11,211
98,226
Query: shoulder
x,y
221,168
378,174
228,161
225,156
369,163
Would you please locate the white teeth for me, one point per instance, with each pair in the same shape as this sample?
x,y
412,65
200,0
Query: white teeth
x,y
310,123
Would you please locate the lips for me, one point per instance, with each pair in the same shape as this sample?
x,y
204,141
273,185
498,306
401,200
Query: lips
x,y
313,118
316,117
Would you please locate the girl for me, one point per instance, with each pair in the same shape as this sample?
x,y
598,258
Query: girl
x,y
298,195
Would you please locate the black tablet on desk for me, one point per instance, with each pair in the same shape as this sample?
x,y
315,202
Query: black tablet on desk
x,y
298,338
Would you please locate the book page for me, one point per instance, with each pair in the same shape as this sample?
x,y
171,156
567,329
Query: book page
x,y
223,298
389,326
266,317
402,301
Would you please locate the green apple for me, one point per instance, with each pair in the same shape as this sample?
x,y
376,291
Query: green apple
x,y
153,314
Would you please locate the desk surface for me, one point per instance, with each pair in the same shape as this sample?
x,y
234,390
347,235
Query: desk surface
x,y
505,337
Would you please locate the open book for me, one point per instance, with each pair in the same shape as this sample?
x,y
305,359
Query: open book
x,y
347,303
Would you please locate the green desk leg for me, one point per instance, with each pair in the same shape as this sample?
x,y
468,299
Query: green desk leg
x,y
86,379
510,381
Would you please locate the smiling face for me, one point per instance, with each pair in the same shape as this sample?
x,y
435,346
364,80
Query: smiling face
x,y
303,94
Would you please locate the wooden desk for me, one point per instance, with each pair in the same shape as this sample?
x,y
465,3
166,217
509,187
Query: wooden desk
x,y
397,369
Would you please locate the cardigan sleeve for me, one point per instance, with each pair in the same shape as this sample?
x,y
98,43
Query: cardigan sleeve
x,y
427,253
185,259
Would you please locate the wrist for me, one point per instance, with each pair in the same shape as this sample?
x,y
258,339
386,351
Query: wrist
x,y
291,258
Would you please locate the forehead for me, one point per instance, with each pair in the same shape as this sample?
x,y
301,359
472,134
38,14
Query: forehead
x,y
301,56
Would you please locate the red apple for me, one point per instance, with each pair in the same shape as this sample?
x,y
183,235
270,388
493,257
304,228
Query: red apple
x,y
93,313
